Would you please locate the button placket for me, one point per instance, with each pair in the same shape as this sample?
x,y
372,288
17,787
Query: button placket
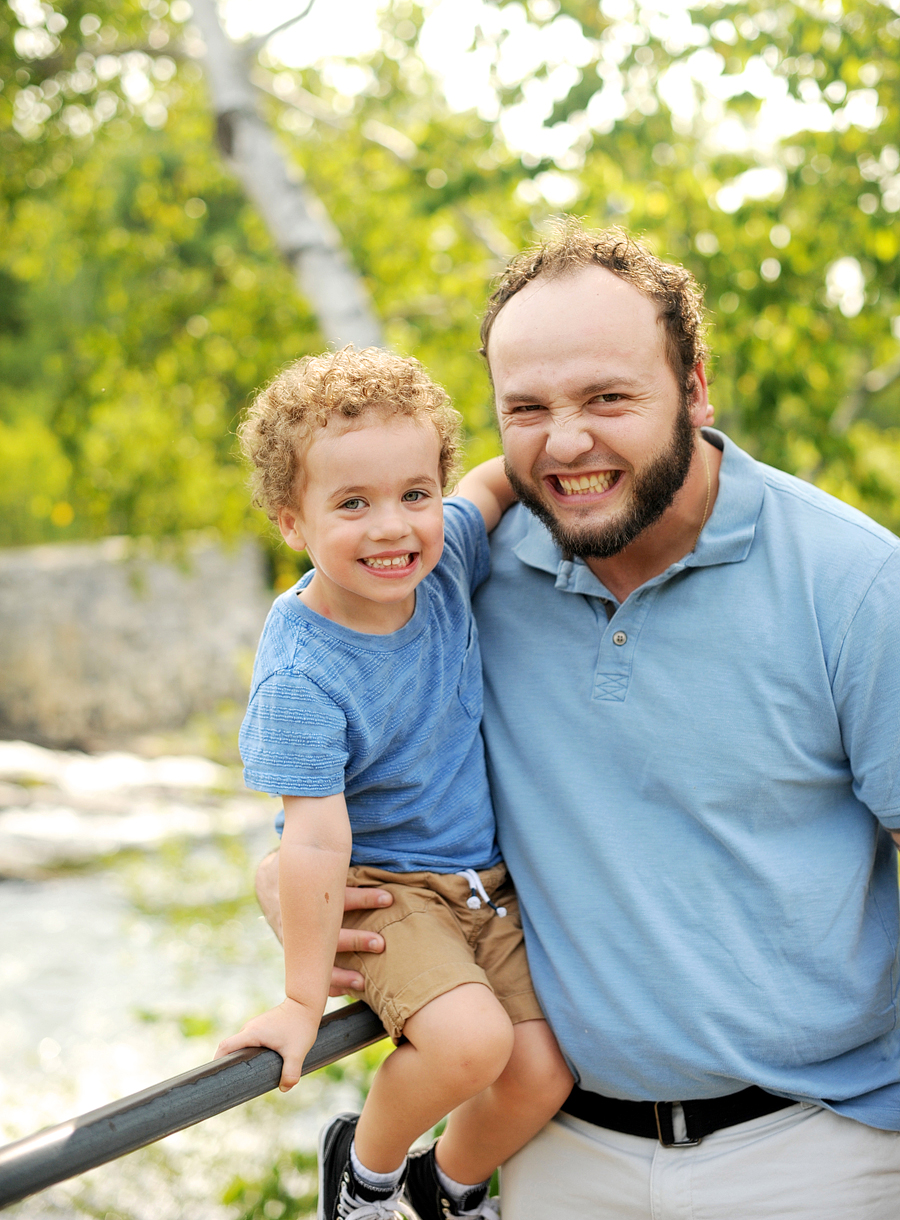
x,y
617,647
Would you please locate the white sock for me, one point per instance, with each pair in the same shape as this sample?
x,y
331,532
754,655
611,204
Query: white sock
x,y
380,1181
457,1190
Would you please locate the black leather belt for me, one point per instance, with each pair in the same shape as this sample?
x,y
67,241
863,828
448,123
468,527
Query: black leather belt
x,y
653,1119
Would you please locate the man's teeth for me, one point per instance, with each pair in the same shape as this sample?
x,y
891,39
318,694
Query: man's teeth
x,y
573,485
396,561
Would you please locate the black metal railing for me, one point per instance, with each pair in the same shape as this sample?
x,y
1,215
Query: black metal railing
x,y
92,1139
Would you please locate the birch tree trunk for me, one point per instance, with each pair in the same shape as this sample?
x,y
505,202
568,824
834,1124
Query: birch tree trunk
x,y
296,217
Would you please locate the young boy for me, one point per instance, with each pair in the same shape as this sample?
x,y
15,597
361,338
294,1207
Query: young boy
x,y
364,716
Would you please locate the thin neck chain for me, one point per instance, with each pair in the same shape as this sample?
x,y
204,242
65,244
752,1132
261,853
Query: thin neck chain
x,y
708,493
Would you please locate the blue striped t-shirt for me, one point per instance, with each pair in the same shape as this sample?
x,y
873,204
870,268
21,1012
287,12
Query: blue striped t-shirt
x,y
393,721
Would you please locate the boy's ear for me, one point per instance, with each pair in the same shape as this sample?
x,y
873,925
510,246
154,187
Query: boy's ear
x,y
290,526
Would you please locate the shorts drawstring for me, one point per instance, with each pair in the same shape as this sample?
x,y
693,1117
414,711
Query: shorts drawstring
x,y
478,895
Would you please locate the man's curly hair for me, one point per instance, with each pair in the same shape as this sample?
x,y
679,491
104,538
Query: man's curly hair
x,y
570,247
343,385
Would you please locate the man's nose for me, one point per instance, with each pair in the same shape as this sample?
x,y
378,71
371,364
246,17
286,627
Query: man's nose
x,y
568,439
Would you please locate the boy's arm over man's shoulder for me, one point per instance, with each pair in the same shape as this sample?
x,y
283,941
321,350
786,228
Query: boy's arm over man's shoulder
x,y
489,490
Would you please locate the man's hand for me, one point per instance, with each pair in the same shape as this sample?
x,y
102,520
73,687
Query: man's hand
x,y
350,940
290,1029
357,940
267,893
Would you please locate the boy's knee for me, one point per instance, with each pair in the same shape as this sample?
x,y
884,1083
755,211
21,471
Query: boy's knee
x,y
482,1044
536,1067
495,1033
474,1040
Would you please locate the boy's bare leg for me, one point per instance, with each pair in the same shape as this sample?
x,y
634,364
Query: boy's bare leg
x,y
486,1130
458,1045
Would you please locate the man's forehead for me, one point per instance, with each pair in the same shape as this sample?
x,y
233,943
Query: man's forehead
x,y
595,317
574,298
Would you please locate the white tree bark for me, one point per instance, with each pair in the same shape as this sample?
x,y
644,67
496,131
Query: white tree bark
x,y
296,218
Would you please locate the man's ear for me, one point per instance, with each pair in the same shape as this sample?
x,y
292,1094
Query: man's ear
x,y
290,525
701,412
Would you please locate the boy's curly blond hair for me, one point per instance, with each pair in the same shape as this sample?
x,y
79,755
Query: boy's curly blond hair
x,y
279,426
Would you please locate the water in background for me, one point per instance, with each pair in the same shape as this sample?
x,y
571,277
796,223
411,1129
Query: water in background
x,y
130,942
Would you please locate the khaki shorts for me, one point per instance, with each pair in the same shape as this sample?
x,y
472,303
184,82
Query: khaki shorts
x,y
434,942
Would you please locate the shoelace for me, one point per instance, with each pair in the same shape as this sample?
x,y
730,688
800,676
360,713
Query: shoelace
x,y
351,1208
486,1211
476,899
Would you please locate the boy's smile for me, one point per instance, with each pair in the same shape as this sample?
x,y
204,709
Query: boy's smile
x,y
371,518
390,565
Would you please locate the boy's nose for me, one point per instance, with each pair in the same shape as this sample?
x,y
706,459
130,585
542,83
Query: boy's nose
x,y
389,525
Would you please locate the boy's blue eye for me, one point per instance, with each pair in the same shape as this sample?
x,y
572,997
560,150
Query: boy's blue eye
x,y
353,503
412,496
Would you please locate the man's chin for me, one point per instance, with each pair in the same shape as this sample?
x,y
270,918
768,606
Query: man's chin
x,y
587,541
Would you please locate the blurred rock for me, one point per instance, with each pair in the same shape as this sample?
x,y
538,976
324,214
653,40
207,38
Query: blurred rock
x,y
76,773
64,808
102,641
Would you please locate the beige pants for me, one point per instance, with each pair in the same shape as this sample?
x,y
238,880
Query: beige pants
x,y
802,1163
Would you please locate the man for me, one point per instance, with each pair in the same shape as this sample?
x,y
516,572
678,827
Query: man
x,y
692,688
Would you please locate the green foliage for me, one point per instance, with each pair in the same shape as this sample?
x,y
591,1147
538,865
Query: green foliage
x,y
422,248
142,302
807,369
196,1025
287,1192
149,302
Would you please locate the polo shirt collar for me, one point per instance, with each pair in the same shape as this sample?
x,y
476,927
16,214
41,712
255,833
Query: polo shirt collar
x,y
726,537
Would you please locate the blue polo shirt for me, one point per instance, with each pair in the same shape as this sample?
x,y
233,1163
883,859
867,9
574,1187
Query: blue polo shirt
x,y
693,795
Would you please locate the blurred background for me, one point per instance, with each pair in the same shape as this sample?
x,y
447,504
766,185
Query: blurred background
x,y
194,195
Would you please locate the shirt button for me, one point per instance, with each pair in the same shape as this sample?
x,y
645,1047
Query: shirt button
x,y
620,638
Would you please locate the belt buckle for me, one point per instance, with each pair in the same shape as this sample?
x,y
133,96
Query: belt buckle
x,y
664,1121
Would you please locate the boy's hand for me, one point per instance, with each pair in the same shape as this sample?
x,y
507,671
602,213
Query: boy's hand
x,y
290,1029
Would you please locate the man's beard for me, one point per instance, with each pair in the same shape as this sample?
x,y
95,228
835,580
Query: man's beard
x,y
653,490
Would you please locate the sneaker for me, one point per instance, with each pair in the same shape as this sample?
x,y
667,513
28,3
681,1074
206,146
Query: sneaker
x,y
425,1194
342,1196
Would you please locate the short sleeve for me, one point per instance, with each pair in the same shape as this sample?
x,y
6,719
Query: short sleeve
x,y
867,695
466,540
293,739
